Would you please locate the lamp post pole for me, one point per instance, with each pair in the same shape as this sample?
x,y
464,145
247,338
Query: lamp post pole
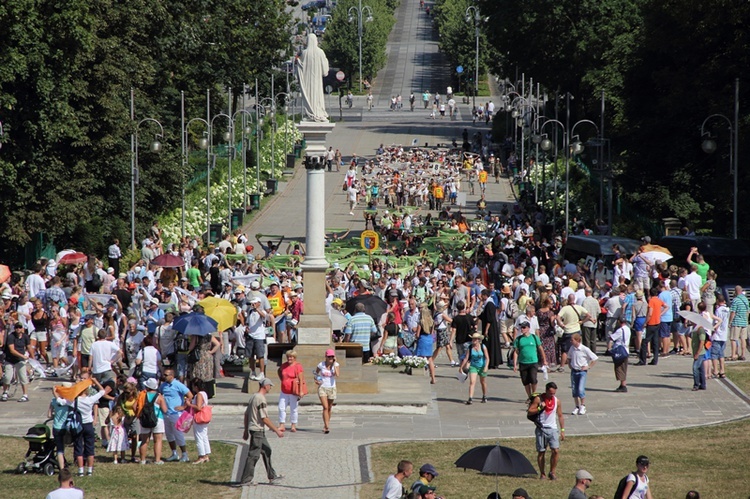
x,y
155,147
359,11
709,146
472,14
202,144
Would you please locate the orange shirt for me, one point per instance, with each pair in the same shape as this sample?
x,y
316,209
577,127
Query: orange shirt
x,y
483,177
654,306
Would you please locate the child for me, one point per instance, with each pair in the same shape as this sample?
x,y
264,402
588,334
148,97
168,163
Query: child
x,y
118,440
403,351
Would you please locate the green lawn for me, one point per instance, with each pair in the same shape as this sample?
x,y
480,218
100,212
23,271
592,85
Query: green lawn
x,y
707,459
125,480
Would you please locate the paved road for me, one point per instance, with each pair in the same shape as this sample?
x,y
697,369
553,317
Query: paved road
x,y
335,465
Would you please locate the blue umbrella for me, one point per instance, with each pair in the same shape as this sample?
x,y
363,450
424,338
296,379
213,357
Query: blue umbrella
x,y
195,324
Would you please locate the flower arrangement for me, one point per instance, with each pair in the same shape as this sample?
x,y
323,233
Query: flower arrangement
x,y
393,360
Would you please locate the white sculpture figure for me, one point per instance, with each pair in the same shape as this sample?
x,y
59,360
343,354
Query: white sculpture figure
x,y
312,67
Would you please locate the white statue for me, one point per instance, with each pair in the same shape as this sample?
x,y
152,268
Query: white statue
x,y
312,67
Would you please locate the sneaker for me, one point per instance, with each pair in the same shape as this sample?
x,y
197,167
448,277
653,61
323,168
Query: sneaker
x,y
469,402
158,462
239,485
582,411
25,398
4,398
173,458
80,472
261,376
90,473
484,400
622,389
454,363
351,213
276,479
576,411
253,376
184,459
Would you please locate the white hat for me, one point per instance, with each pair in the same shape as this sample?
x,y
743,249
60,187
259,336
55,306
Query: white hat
x,y
255,300
151,384
255,285
110,270
155,301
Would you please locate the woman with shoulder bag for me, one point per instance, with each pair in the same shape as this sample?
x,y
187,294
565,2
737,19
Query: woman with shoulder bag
x,y
292,381
199,404
201,357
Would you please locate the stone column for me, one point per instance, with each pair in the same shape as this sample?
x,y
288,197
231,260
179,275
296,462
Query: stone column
x,y
315,326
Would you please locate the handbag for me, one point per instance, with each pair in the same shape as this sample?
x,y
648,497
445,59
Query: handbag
x,y
193,356
299,387
204,415
185,421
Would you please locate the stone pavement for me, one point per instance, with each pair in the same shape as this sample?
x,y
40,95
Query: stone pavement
x,y
335,465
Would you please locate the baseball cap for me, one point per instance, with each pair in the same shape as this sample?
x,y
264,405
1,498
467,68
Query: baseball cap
x,y
583,475
330,352
524,324
423,489
337,301
110,270
521,493
255,285
642,460
265,382
255,300
428,468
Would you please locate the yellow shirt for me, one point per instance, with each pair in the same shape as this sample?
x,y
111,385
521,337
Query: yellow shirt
x,y
277,303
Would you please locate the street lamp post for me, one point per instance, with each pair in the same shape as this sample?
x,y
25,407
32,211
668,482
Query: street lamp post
x,y
709,146
272,115
472,14
287,98
570,149
155,147
359,11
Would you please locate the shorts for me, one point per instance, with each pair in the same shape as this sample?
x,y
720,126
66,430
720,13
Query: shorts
x,y
547,437
173,435
717,349
566,341
507,326
159,428
327,393
461,349
59,436
19,368
639,325
85,360
664,329
103,415
738,332
675,326
181,365
85,441
38,336
478,370
621,370
528,373
255,348
578,383
281,325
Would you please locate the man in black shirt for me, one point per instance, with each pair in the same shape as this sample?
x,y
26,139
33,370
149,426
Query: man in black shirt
x,y
463,325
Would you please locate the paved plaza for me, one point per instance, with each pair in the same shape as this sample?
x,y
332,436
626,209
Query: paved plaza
x,y
335,465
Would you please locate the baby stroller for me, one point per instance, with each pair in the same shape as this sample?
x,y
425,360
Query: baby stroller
x,y
41,456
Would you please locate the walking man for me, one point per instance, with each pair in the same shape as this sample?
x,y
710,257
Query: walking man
x,y
547,409
256,419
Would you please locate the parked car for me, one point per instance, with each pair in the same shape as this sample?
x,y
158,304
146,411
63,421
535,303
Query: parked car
x,y
315,4
597,248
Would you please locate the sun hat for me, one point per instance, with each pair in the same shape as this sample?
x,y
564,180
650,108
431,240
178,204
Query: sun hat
x,y
477,336
428,468
151,384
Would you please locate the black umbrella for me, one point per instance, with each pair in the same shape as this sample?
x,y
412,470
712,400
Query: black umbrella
x,y
374,306
496,460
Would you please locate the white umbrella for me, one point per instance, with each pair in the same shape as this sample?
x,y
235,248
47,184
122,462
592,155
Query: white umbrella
x,y
697,319
656,256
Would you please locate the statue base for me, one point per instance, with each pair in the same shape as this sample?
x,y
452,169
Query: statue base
x,y
314,133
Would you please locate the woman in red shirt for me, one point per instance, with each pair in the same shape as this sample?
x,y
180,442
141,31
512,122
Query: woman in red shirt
x,y
289,372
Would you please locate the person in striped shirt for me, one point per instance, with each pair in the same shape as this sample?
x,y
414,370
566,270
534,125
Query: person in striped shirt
x,y
360,329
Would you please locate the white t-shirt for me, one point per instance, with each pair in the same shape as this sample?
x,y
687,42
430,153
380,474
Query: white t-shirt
x,y
102,353
133,344
150,357
34,284
640,488
693,285
328,380
393,488
722,313
65,494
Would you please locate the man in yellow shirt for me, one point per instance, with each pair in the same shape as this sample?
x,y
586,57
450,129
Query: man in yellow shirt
x,y
482,180
278,307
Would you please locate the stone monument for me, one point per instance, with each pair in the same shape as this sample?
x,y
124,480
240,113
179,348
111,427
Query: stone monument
x,y
315,325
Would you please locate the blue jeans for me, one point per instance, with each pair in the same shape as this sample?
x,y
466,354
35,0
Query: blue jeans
x,y
578,382
699,375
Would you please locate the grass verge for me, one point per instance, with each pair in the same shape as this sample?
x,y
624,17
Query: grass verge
x,y
125,480
706,459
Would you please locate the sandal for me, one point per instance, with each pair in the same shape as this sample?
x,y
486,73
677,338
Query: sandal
x,y
722,375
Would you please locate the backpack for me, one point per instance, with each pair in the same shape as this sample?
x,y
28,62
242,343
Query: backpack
x,y
534,418
73,421
148,416
623,483
512,312
181,343
96,280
